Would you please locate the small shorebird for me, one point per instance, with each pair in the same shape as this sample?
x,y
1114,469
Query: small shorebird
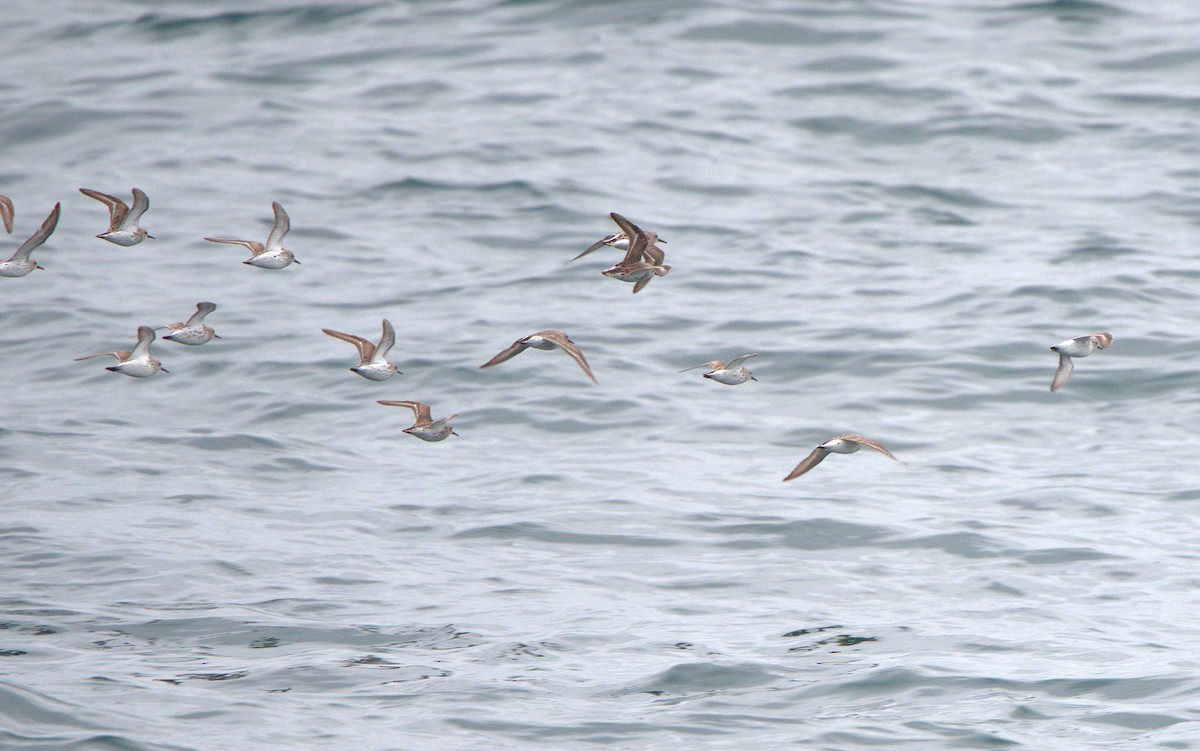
x,y
21,264
6,213
1080,346
423,427
372,358
617,240
137,363
195,331
543,340
273,256
729,373
123,226
643,261
843,444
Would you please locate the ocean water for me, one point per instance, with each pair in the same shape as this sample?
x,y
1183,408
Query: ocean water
x,y
899,205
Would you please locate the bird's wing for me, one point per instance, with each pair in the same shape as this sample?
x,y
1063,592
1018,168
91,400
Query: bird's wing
x,y
386,340
141,202
279,229
869,444
202,309
6,214
595,246
366,350
420,410
739,360
116,207
145,336
121,355
39,237
816,457
513,350
256,249
1103,339
1065,367
568,346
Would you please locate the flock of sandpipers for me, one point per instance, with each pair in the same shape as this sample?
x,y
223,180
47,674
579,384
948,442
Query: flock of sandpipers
x,y
643,261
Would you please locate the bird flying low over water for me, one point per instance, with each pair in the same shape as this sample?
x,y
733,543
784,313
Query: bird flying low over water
x,y
1080,346
847,443
424,427
273,255
20,263
643,261
543,340
136,363
123,220
729,373
195,331
372,358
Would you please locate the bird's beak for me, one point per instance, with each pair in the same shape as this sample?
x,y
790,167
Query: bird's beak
x,y
295,261
453,433
152,237
752,378
164,370
39,266
216,336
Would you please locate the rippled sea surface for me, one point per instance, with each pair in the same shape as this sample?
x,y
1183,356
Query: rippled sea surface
x,y
899,205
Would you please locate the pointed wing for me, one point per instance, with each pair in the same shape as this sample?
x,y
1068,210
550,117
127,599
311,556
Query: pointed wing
x,y
654,254
145,336
566,345
642,283
1063,374
202,309
420,410
739,360
256,249
365,349
595,246
1103,339
280,228
711,365
117,210
515,349
386,340
869,444
121,355
816,457
637,239
39,237
141,202
6,213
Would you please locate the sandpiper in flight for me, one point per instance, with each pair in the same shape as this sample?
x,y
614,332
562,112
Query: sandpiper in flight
x,y
21,264
123,220
543,340
423,426
1081,346
137,363
195,331
729,373
642,262
372,358
843,444
274,255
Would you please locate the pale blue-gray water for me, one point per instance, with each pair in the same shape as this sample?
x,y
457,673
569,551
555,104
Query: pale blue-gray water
x,y
900,205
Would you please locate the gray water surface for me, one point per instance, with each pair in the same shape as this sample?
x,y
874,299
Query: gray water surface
x,y
899,205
